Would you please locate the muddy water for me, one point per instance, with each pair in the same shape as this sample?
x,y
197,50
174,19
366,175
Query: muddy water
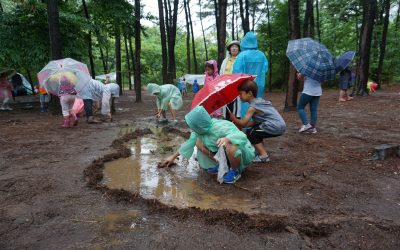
x,y
177,186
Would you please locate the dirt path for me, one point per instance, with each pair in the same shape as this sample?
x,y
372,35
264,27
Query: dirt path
x,y
319,191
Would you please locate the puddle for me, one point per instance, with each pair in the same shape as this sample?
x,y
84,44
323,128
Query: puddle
x,y
184,185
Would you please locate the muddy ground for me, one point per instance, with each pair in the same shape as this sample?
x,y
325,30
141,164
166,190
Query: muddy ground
x,y
319,191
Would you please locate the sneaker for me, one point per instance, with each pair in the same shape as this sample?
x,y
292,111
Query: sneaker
x,y
213,170
305,128
8,108
311,131
42,110
163,120
259,159
232,176
174,122
2,108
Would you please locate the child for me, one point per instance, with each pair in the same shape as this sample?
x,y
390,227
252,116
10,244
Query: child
x,y
5,92
183,85
179,85
67,98
195,86
208,135
167,96
111,90
344,84
211,72
311,94
91,93
264,119
43,97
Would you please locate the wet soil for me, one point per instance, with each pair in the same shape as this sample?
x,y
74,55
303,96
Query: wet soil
x,y
319,191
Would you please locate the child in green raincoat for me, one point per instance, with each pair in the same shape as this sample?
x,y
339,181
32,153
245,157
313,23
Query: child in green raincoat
x,y
167,96
208,135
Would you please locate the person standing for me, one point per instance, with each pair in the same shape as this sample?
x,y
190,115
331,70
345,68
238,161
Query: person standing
x,y
344,83
211,72
5,92
233,49
251,61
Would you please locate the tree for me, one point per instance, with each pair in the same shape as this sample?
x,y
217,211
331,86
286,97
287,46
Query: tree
x,y
193,43
55,44
318,20
202,30
118,56
128,60
89,40
293,86
220,18
164,57
308,28
369,12
383,41
185,5
244,15
233,19
138,47
269,48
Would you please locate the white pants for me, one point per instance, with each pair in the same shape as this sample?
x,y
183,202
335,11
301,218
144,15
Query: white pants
x,y
67,102
105,104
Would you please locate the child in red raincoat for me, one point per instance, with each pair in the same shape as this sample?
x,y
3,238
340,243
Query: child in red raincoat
x,y
5,92
211,72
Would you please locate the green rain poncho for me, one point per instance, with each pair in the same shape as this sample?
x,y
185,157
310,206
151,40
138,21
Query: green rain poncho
x,y
209,130
166,94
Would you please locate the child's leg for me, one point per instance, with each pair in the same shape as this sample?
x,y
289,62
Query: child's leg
x,y
304,99
314,109
230,151
173,112
342,96
256,136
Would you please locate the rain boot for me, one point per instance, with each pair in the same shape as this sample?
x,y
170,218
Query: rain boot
x,y
75,119
66,122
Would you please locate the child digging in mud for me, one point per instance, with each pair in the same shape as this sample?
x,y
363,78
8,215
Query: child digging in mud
x,y
167,96
264,120
208,134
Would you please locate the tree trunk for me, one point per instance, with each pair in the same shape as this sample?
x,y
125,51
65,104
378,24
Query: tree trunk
x,y
171,23
28,72
244,15
185,5
233,19
397,17
308,27
1,7
269,48
293,86
128,61
221,27
196,69
132,58
318,20
55,44
103,59
138,48
383,42
202,30
118,57
369,12
89,40
164,56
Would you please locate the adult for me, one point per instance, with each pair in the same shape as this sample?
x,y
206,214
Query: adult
x,y
92,92
251,61
344,84
233,49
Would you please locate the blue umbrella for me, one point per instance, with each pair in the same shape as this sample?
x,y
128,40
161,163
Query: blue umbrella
x,y
344,60
311,59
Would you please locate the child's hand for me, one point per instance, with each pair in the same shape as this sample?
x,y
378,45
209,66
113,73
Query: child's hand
x,y
223,142
233,117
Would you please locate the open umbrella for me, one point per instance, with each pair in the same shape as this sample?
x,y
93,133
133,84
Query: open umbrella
x,y
311,59
64,76
344,60
220,91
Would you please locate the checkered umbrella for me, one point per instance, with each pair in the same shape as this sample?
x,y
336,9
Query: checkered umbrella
x,y
311,59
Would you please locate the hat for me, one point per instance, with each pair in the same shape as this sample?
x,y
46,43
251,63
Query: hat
x,y
234,42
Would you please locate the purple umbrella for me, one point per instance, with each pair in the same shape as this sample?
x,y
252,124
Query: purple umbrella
x,y
344,60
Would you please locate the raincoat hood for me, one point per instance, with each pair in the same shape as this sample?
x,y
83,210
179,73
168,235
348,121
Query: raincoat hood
x,y
249,42
199,120
215,67
153,88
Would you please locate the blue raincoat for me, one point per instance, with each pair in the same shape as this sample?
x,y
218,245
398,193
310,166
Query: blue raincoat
x,y
251,61
209,130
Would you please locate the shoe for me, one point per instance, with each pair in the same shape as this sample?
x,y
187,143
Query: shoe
x,y
66,123
305,128
213,170
92,120
259,159
163,120
42,110
232,176
311,131
8,108
2,108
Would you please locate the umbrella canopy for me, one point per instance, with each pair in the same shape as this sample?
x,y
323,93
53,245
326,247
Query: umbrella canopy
x,y
344,60
311,59
64,76
220,91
